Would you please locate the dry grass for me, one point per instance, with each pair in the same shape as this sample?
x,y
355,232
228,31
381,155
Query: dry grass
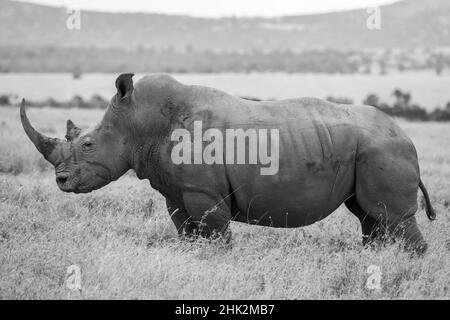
x,y
126,246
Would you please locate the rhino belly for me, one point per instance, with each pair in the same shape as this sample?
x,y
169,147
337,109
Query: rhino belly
x,y
292,199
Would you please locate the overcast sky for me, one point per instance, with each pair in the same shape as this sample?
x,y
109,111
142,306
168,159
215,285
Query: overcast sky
x,y
215,8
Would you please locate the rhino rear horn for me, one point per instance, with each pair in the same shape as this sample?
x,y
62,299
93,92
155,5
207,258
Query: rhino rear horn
x,y
72,131
124,85
43,144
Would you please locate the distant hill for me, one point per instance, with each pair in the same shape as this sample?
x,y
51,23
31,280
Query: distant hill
x,y
406,24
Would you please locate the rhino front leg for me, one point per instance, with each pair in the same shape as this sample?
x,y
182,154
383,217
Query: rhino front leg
x,y
211,215
182,221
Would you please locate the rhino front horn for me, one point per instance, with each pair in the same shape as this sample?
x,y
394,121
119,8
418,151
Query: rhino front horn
x,y
45,145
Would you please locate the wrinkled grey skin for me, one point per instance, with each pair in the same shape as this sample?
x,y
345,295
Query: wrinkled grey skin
x,y
329,154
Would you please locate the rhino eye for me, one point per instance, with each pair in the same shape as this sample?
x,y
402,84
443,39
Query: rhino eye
x,y
86,144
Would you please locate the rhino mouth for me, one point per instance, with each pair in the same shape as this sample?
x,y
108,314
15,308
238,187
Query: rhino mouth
x,y
65,182
68,182
61,179
72,188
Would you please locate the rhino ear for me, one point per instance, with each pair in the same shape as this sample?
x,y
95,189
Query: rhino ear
x,y
124,85
72,131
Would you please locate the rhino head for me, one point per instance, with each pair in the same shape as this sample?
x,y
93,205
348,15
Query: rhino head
x,y
86,161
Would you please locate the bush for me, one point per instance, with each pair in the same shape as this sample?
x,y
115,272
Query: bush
x,y
339,100
402,108
250,98
4,100
372,100
441,114
97,101
416,112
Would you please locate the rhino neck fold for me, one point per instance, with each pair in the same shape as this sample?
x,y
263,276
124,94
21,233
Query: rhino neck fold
x,y
146,162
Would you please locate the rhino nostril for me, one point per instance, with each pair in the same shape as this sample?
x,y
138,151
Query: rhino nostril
x,y
61,179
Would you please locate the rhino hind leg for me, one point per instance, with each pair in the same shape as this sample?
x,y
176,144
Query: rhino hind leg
x,y
386,190
372,230
377,231
409,231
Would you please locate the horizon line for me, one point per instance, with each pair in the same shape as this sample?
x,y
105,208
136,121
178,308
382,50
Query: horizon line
x,y
206,16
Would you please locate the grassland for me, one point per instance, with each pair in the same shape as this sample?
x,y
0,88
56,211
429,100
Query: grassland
x,y
126,246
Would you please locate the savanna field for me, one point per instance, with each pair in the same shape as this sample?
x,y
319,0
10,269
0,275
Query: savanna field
x,y
126,246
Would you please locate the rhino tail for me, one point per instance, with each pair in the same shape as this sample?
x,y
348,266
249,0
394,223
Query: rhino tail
x,y
431,214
